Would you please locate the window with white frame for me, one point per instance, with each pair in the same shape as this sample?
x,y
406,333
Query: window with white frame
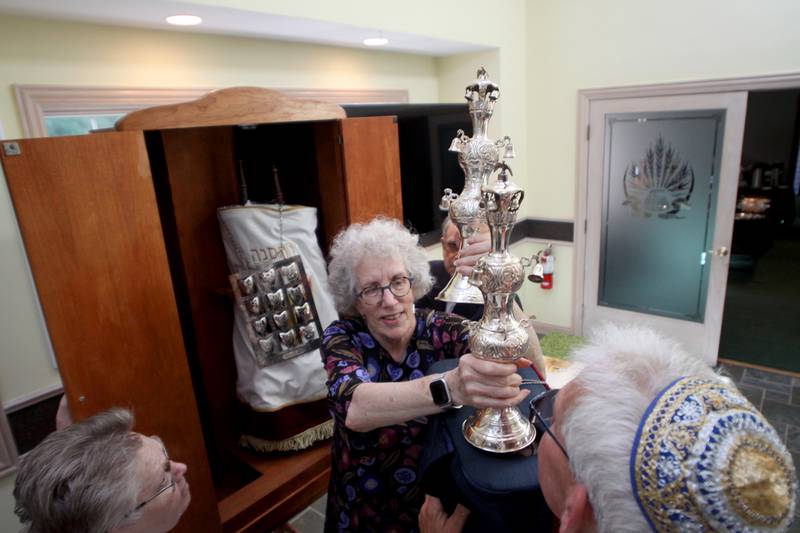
x,y
51,110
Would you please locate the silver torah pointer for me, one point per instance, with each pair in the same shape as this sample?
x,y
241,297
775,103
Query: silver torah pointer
x,y
498,336
477,157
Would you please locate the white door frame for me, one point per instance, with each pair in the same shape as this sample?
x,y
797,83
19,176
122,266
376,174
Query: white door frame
x,y
585,99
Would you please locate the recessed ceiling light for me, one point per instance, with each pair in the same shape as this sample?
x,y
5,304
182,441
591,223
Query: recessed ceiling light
x,y
184,20
376,41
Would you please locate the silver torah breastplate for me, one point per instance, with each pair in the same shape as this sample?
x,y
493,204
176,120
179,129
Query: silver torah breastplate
x,y
502,274
499,340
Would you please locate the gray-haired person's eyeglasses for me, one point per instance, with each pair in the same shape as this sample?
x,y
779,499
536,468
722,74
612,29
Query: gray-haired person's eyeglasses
x,y
167,486
541,415
399,287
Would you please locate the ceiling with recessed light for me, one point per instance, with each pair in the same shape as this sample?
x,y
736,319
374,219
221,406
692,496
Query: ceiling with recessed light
x,y
228,21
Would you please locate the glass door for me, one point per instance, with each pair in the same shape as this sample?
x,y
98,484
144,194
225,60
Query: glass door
x,y
661,194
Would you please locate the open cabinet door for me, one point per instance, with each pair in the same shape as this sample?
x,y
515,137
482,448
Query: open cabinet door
x,y
371,154
87,211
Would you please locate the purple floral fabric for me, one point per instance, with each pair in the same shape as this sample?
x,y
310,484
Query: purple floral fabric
x,y
374,475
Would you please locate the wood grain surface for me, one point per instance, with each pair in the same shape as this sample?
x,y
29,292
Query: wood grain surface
x,y
371,155
200,177
235,105
87,213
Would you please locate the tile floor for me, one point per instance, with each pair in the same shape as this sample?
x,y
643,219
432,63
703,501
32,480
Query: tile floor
x,y
776,395
312,519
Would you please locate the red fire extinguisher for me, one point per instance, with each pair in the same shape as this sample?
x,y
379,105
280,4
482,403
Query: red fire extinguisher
x,y
548,263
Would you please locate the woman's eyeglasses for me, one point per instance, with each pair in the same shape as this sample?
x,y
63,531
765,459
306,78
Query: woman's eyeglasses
x,y
541,416
399,287
170,484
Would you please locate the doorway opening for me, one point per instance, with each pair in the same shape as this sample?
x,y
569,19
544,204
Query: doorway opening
x,y
761,317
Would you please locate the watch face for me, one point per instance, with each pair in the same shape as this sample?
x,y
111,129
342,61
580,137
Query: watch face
x,y
441,396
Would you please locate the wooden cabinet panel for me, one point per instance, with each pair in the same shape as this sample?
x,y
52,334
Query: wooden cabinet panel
x,y
88,216
371,156
125,249
288,484
333,216
200,177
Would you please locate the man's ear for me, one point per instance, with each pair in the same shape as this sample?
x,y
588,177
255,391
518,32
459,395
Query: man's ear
x,y
578,515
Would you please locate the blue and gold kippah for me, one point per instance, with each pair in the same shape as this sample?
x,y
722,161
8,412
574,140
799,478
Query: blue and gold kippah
x,y
704,459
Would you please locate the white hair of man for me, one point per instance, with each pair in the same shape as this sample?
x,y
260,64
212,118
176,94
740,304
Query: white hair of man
x,y
82,478
626,368
380,237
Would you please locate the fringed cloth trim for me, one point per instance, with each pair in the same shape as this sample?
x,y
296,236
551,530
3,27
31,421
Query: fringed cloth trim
x,y
300,441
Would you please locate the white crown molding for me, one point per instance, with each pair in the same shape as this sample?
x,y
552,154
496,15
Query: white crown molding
x,y
37,101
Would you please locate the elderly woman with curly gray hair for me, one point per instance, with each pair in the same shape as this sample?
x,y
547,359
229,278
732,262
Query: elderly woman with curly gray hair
x,y
377,357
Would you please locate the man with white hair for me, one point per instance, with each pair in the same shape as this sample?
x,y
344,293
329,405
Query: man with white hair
x,y
649,438
443,270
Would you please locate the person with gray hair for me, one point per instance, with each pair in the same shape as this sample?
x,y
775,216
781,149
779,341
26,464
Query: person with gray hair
x,y
98,476
377,357
442,270
650,438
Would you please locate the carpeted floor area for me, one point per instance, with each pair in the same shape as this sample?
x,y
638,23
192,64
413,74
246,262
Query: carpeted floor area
x,y
761,321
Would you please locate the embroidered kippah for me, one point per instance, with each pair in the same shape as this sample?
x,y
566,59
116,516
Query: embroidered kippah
x,y
705,459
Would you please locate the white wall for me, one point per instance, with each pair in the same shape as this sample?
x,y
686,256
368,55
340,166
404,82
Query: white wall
x,y
8,521
585,44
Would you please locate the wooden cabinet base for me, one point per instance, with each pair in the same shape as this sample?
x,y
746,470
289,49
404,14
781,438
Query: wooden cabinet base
x,y
286,484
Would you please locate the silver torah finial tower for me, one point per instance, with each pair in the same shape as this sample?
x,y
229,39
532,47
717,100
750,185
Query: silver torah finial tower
x,y
498,336
477,157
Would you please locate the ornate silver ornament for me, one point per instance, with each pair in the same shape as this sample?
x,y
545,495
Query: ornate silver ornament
x,y
303,313
290,274
297,294
477,156
253,305
288,338
266,345
268,279
282,320
261,325
247,285
309,332
498,336
276,299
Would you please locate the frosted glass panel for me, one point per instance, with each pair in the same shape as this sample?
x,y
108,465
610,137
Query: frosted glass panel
x,y
659,199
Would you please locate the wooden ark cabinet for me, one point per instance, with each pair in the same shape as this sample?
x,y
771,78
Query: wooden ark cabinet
x,y
121,234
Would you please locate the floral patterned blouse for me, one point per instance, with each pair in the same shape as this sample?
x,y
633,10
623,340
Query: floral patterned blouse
x,y
374,475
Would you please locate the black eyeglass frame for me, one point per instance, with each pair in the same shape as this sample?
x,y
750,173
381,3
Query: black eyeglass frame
x,y
540,420
386,287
